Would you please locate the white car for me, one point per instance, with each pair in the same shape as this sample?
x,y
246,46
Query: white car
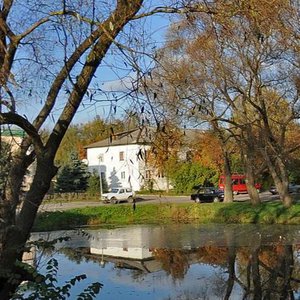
x,y
117,195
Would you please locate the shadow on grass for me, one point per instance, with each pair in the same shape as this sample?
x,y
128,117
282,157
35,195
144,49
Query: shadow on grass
x,y
58,220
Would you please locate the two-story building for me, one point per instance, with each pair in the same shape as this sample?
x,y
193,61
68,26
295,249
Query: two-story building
x,y
121,160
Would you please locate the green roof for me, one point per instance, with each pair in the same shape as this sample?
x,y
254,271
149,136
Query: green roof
x,y
13,132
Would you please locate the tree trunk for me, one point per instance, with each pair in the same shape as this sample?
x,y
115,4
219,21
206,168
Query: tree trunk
x,y
252,191
228,195
249,161
15,236
280,178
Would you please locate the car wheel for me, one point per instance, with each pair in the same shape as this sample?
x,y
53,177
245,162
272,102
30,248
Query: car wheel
x,y
130,199
197,200
216,199
113,200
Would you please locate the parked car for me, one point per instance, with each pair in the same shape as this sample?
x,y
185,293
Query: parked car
x,y
293,188
117,195
208,194
238,184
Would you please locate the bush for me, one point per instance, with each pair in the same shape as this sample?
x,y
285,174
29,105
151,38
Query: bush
x,y
188,175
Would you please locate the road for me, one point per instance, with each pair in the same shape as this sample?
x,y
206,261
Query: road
x,y
143,199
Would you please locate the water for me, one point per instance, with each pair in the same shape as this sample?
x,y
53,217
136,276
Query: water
x,y
181,262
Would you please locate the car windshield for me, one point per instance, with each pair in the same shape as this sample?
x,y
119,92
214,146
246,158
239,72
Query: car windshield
x,y
114,190
205,190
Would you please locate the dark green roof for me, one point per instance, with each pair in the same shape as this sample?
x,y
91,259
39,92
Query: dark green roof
x,y
13,132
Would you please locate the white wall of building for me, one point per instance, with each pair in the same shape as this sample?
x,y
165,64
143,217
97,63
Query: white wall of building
x,y
126,172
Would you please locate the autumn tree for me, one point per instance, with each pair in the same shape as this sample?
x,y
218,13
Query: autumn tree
x,y
80,135
232,68
50,54
166,146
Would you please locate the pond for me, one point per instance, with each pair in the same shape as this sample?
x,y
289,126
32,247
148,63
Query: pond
x,y
180,261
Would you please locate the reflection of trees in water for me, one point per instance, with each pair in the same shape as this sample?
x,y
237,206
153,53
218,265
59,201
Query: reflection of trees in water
x,y
213,255
75,255
174,261
200,293
270,272
136,275
259,272
267,272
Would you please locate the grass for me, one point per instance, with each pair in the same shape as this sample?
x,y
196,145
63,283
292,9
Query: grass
x,y
265,213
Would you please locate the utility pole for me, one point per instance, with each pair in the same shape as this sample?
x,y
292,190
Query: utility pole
x,y
100,176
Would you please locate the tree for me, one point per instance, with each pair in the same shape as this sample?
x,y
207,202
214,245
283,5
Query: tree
x,y
41,29
166,145
79,135
188,175
231,68
72,178
49,55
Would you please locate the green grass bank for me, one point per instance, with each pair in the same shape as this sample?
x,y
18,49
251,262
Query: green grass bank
x,y
266,213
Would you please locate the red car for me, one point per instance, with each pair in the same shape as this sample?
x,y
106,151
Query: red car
x,y
238,184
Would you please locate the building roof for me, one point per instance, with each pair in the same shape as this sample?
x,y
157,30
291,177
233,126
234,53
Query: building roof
x,y
135,136
141,136
13,132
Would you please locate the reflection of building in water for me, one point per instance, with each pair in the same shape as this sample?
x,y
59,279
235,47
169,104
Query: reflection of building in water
x,y
125,252
132,243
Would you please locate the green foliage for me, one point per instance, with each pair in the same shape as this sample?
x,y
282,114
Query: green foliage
x,y
93,188
93,185
46,287
187,175
72,177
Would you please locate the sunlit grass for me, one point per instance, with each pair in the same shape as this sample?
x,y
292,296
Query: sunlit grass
x,y
265,213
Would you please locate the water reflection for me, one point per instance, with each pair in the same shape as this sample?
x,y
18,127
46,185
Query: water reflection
x,y
185,261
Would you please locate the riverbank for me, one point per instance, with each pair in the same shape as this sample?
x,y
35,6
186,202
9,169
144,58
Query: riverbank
x,y
243,213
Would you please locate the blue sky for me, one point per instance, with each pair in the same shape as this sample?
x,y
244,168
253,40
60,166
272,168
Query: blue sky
x,y
112,75
113,79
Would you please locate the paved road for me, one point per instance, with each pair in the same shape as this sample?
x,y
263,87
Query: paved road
x,y
48,206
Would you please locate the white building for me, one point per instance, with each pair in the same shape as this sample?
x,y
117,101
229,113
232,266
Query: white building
x,y
121,159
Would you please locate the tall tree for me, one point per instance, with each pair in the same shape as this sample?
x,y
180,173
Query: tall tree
x,y
49,55
231,68
28,35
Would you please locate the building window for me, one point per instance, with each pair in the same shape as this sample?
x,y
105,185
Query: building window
x,y
188,156
148,174
161,174
122,175
121,155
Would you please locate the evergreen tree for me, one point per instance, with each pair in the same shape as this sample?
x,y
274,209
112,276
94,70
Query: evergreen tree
x,y
72,177
94,184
